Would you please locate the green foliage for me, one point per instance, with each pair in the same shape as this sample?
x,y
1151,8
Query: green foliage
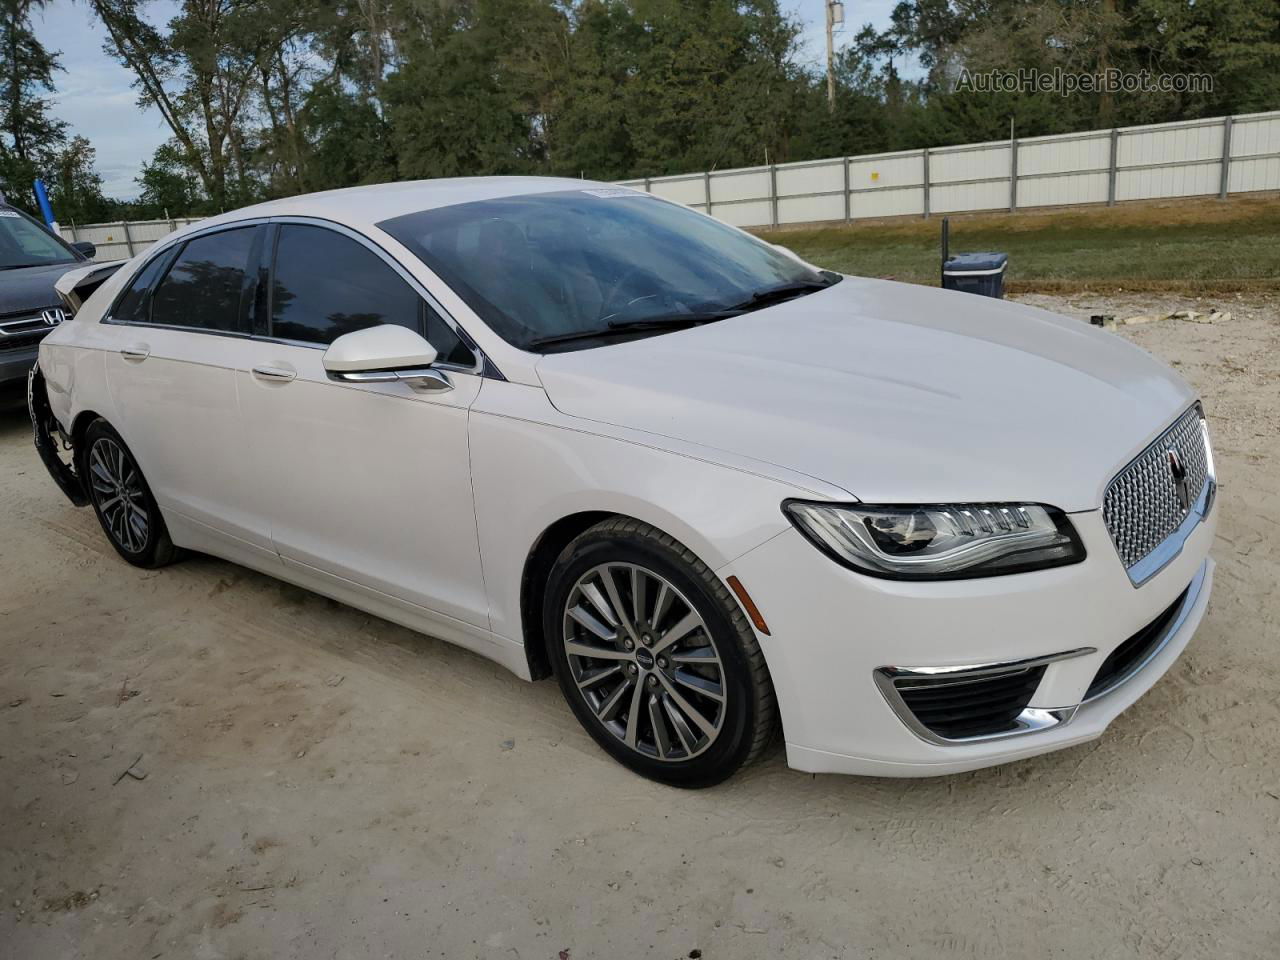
x,y
169,188
75,188
268,98
29,137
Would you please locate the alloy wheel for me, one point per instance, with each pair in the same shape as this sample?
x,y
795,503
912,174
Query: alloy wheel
x,y
644,661
119,495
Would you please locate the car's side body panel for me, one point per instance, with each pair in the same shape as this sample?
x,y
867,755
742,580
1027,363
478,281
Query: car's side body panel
x,y
178,412
532,466
365,482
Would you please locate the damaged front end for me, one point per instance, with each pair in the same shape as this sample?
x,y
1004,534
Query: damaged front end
x,y
51,441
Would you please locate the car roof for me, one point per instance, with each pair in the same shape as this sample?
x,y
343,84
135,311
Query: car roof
x,y
368,205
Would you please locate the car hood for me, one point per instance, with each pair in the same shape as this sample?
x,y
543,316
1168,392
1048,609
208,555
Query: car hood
x,y
895,392
31,288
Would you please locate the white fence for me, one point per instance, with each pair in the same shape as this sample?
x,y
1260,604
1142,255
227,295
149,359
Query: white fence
x,y
115,241
1189,158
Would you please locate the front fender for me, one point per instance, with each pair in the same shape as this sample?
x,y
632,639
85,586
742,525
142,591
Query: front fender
x,y
530,472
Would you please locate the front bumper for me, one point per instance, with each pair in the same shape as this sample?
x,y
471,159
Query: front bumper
x,y
16,362
833,631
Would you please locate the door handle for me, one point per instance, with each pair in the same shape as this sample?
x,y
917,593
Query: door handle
x,y
137,352
275,374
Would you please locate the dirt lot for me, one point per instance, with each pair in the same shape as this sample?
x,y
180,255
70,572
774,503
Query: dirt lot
x,y
319,783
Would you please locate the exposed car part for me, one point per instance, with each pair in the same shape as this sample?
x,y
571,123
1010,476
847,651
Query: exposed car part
x,y
48,435
76,286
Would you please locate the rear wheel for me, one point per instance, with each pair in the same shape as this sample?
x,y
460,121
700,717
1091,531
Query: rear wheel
x,y
122,500
655,657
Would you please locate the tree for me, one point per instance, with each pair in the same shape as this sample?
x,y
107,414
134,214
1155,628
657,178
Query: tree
x,y
200,75
75,187
169,188
346,140
29,136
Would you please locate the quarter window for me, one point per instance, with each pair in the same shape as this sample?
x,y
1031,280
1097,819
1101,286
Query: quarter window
x,y
207,286
132,305
325,285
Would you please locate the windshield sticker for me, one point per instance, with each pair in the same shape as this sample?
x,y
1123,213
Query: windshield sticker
x,y
613,193
11,213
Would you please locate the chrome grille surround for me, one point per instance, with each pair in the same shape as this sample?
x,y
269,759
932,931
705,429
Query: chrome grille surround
x,y
1143,512
28,326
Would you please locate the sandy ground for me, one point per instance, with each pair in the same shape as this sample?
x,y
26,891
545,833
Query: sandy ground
x,y
319,783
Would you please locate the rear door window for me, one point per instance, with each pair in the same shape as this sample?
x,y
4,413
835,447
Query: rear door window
x,y
208,287
326,284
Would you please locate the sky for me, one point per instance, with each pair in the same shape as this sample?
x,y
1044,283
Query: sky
x,y
96,98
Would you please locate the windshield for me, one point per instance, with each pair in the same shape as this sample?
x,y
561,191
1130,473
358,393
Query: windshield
x,y
26,244
579,268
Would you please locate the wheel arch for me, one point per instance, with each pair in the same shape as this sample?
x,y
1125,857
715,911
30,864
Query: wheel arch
x,y
537,566
559,534
80,424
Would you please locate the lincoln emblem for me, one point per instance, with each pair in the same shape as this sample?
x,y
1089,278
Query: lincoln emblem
x,y
1181,485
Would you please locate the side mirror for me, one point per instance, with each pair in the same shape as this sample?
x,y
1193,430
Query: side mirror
x,y
385,354
85,248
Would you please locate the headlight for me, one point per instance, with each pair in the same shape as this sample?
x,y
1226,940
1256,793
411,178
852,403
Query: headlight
x,y
939,541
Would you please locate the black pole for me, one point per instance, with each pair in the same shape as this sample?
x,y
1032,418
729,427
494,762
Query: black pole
x,y
946,243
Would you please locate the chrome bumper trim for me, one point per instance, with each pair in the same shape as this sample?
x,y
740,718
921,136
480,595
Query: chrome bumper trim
x,y
890,680
1032,719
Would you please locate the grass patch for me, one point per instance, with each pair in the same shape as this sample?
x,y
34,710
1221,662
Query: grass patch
x,y
1185,245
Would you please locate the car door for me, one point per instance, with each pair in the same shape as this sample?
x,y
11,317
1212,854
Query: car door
x,y
369,483
180,330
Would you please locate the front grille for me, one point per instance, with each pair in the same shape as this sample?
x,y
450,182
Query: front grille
x,y
955,708
1132,654
1141,507
24,328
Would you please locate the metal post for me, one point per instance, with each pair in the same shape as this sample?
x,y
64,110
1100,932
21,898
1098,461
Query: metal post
x,y
706,189
831,57
128,237
74,236
848,197
648,185
1013,175
925,155
1226,158
1111,172
773,191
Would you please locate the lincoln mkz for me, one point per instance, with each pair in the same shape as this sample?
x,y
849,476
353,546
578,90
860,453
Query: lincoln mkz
x,y
711,489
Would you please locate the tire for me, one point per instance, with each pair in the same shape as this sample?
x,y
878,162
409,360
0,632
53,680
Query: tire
x,y
122,500
626,677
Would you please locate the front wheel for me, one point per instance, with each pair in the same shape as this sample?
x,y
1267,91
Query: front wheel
x,y
122,500
655,657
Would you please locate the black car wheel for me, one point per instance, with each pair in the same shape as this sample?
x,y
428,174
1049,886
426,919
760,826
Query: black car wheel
x,y
655,657
122,500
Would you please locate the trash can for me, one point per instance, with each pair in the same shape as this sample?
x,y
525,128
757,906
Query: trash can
x,y
980,273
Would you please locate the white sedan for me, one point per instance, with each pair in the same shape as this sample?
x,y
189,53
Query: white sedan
x,y
711,489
